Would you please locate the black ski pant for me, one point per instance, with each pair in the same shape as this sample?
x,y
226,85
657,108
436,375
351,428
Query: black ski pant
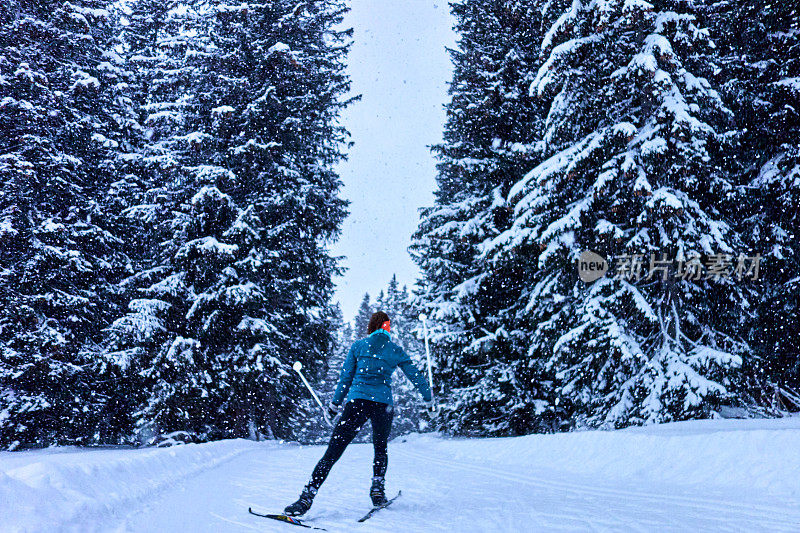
x,y
355,415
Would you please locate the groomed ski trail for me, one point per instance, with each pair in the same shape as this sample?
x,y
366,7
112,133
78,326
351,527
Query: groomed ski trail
x,y
448,487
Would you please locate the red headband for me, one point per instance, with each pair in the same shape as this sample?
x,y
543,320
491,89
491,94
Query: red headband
x,y
386,326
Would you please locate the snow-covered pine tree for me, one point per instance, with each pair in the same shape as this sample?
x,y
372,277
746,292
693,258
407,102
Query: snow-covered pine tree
x,y
241,138
150,353
58,259
760,65
312,430
115,394
488,384
282,142
361,320
634,143
344,338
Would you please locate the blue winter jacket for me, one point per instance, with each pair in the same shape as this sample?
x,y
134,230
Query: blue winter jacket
x,y
367,370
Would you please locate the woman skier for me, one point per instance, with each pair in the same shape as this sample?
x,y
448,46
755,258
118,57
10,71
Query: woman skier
x,y
367,375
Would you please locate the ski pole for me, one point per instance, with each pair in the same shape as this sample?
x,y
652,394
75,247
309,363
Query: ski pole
x,y
298,367
427,351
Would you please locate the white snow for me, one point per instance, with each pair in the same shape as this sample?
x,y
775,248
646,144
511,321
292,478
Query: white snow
x,y
7,228
85,80
712,475
791,83
278,47
210,246
566,19
69,489
222,110
654,146
105,141
631,6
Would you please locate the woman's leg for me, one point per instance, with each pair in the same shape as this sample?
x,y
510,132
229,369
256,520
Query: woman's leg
x,y
354,416
381,416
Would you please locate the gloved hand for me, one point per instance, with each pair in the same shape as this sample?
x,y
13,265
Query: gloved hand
x,y
333,410
431,408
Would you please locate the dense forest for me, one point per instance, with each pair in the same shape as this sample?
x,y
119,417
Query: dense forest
x,y
167,204
168,198
665,134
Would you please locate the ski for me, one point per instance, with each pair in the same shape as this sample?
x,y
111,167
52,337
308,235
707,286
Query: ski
x,y
286,519
378,508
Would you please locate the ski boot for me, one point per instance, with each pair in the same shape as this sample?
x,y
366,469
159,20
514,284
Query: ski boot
x,y
377,493
303,504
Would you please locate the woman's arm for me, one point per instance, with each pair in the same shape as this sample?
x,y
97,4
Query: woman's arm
x,y
417,378
345,376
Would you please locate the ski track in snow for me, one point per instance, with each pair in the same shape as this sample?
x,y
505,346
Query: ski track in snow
x,y
479,497
490,485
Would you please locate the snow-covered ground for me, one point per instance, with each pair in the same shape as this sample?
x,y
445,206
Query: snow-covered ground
x,y
720,475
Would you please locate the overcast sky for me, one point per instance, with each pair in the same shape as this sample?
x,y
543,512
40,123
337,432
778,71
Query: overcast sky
x,y
398,63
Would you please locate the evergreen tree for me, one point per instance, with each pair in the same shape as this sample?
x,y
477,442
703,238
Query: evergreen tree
x,y
311,427
488,384
59,257
361,320
759,47
635,142
240,140
344,338
150,351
